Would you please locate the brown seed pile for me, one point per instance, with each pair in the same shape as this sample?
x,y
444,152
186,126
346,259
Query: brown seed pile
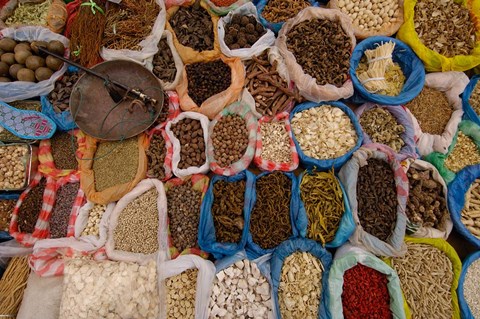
x,y
60,96
62,210
282,10
382,127
189,132
163,63
227,210
184,214
63,147
165,110
306,39
431,101
30,208
426,204
21,105
475,98
377,198
464,153
445,27
156,154
230,139
6,211
207,79
243,32
270,220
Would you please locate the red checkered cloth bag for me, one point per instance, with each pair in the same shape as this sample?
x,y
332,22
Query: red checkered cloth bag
x,y
167,165
267,165
173,108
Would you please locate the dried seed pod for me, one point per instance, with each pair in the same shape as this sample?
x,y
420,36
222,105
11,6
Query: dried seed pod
x,y
382,127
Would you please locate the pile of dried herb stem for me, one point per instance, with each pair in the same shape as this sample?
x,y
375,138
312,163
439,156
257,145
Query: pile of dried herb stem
x,y
29,14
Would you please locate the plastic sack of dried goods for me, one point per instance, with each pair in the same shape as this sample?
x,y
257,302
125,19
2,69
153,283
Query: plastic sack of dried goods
x,y
139,239
156,167
217,102
347,257
207,238
177,146
452,84
148,45
434,61
449,164
275,26
469,111
20,90
466,293
393,245
301,245
196,302
91,225
408,150
306,84
412,69
87,165
235,109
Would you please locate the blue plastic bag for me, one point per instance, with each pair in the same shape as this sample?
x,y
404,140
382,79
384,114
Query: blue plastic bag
x,y
206,228
64,120
327,164
302,245
464,308
275,27
347,224
456,200
468,112
298,221
411,65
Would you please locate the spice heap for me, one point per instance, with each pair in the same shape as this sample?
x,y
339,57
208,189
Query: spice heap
x,y
471,289
475,98
207,79
137,226
240,291
94,217
270,222
64,200
323,200
129,23
156,153
227,210
377,214
60,96
431,101
306,39
30,208
63,146
189,133
115,163
164,66
464,153
21,105
445,27
282,10
275,142
301,276
13,170
422,268
382,127
243,32
365,294
181,294
324,132
6,211
471,209
371,16
230,139
29,14
183,215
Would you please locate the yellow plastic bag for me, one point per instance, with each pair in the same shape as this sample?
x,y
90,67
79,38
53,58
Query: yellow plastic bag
x,y
435,62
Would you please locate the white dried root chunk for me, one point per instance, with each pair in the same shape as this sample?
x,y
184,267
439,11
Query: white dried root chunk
x,y
275,142
181,294
240,291
324,132
471,288
108,289
300,287
94,218
370,15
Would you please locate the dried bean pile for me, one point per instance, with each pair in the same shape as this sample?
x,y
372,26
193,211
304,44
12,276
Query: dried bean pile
x,y
184,214
471,209
445,27
383,128
282,10
322,197
181,294
30,208
189,133
137,226
464,153
270,219
6,211
207,79
243,32
431,101
275,142
227,210
426,277
5,135
230,139
163,63
60,96
13,166
475,98
365,294
193,27
94,217
63,147
306,39
156,154
426,204
377,198
62,209
471,289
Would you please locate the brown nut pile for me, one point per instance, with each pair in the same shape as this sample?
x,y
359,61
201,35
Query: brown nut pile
x,y
275,142
377,214
464,153
306,39
243,32
163,63
156,153
426,204
445,27
13,161
189,132
227,210
282,10
475,98
230,139
181,294
30,208
62,210
382,127
60,96
207,79
6,211
64,146
184,214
